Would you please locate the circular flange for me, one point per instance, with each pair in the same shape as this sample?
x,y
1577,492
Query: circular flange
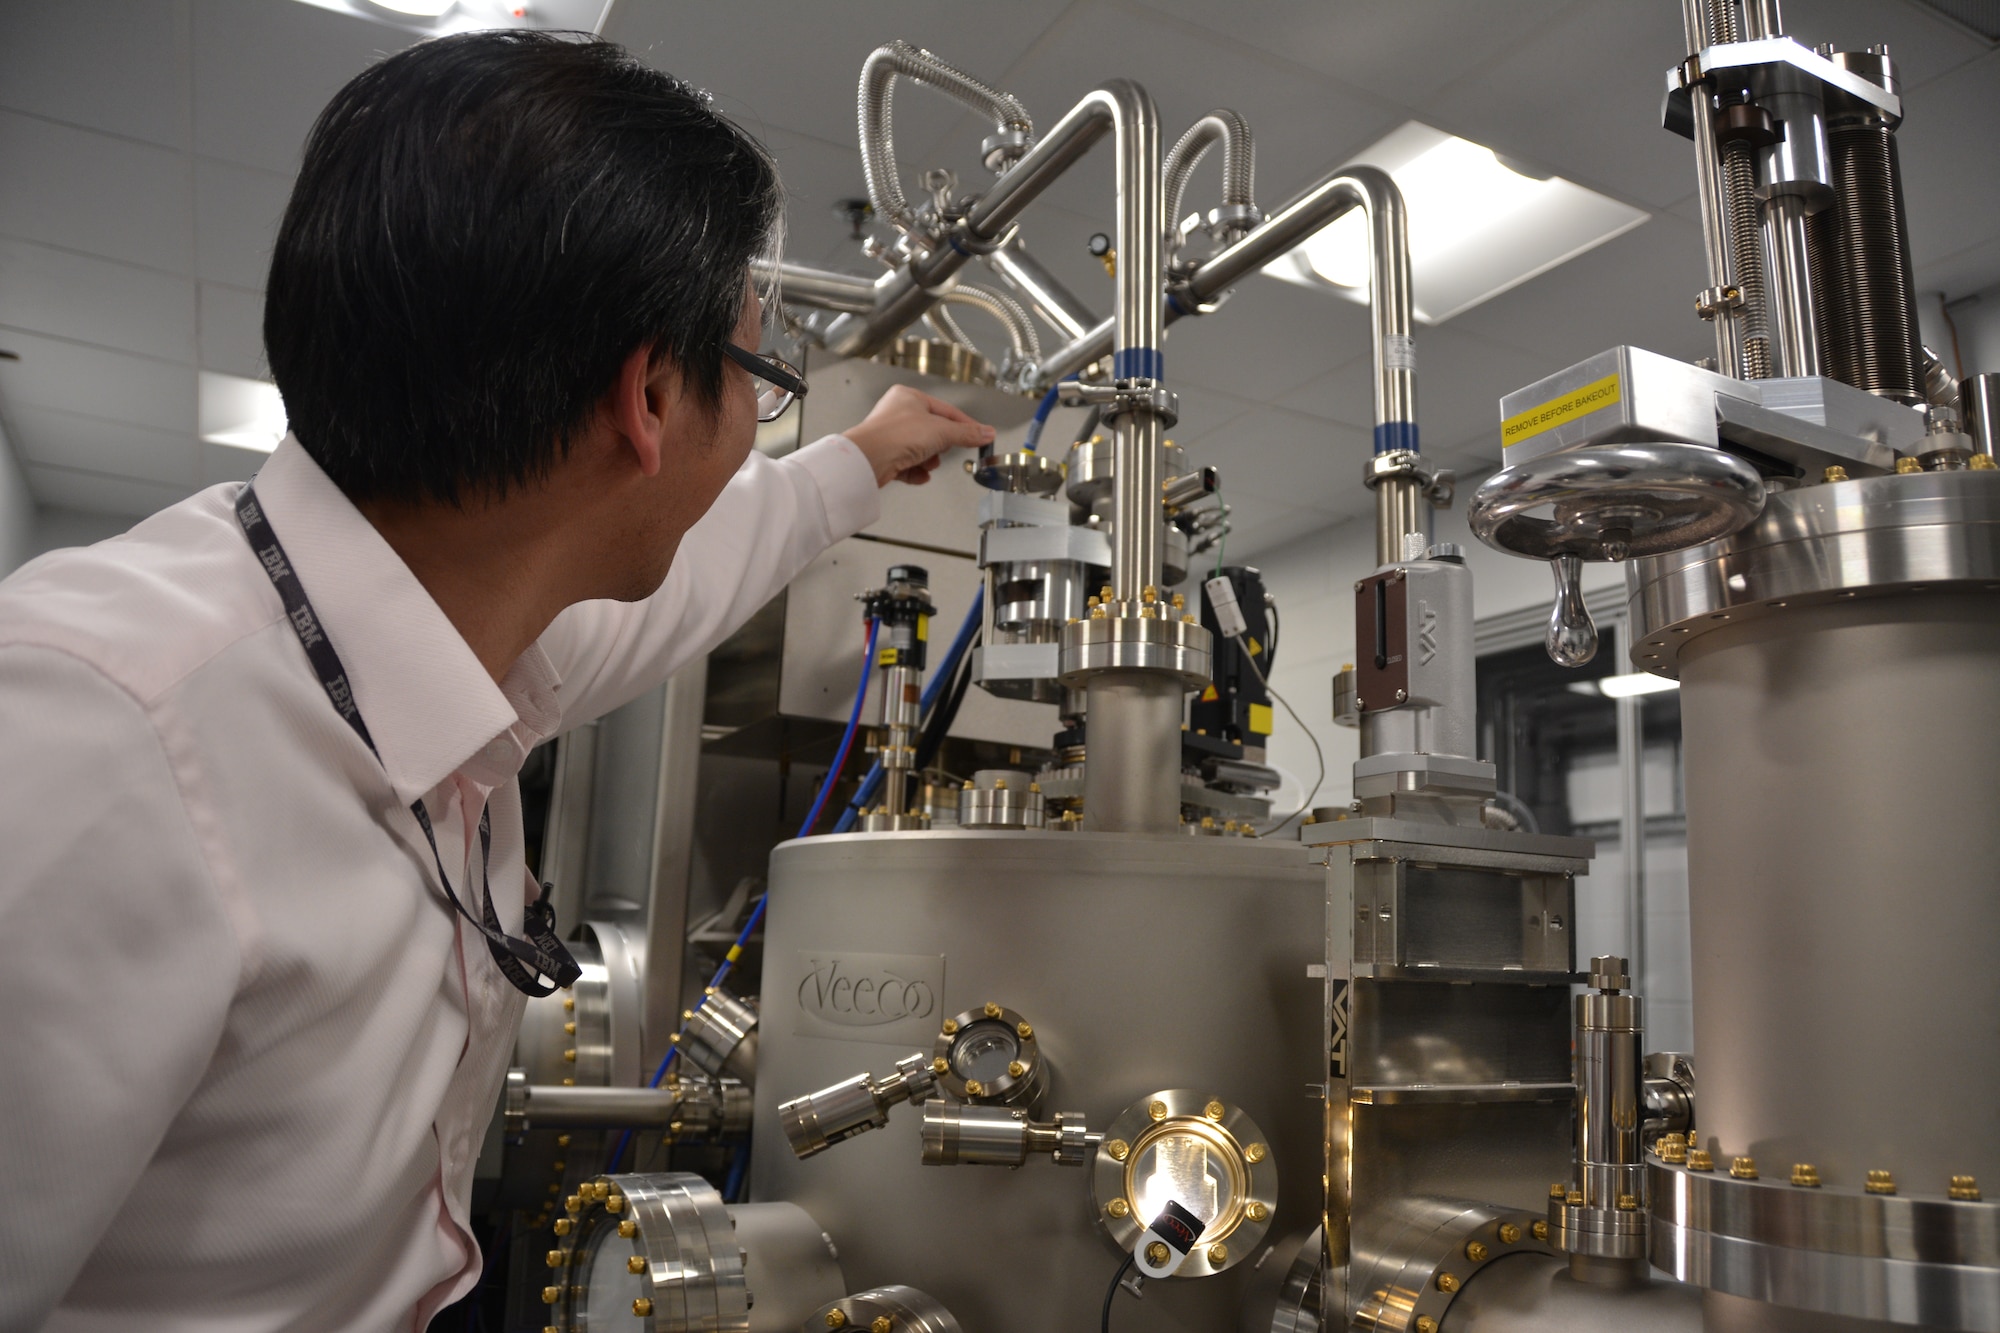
x,y
999,798
1616,501
1822,545
1175,647
1020,472
881,821
986,1047
1088,468
720,1036
1176,1142
906,1309
1440,1245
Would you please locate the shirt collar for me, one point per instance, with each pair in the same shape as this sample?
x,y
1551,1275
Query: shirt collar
x,y
431,707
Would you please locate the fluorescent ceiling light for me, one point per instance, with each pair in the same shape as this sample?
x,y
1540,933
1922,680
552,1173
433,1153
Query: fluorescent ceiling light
x,y
246,414
423,9
438,18
1625,687
1478,225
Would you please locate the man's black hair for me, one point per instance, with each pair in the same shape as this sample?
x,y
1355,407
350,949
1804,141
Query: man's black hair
x,y
484,228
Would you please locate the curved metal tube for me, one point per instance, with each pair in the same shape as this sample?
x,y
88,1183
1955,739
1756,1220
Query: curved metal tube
x,y
1239,165
877,133
821,287
1020,328
1033,283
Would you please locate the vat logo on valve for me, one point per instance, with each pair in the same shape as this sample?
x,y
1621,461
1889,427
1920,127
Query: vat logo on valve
x,y
884,995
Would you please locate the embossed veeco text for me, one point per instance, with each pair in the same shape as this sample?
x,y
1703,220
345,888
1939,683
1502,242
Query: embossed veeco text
x,y
869,996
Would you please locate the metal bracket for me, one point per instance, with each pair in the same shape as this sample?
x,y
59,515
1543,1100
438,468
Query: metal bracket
x,y
1122,396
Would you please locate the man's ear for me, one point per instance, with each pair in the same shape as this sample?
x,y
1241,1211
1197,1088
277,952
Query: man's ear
x,y
641,404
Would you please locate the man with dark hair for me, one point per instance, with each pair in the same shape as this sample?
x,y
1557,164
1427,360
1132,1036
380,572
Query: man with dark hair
x,y
265,927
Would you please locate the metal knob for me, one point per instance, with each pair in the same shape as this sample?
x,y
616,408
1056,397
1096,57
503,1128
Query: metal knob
x,y
1572,635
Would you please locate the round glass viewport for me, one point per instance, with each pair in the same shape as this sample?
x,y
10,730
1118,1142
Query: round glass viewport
x,y
984,1050
1187,1168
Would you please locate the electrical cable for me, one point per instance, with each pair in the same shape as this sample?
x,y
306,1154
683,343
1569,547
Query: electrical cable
x,y
1222,530
757,912
1318,753
1104,1324
739,1164
1047,405
1271,615
872,783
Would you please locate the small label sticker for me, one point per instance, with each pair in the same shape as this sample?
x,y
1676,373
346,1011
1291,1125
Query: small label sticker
x,y
1547,416
1399,352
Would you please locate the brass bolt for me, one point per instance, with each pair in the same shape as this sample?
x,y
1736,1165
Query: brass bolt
x,y
1118,1208
1905,466
1156,1253
1626,1203
564,1226
974,1088
881,1324
687,1015
1149,593
1540,1230
992,1009
569,1029
1015,1069
573,1204
1218,1254
1673,1150
1180,602
570,1055
643,1306
562,1140
1188,619
569,1083
550,1295
1254,1153
569,1004
1118,1149
558,1166
1835,473
1880,1182
1475,1252
557,1258
1213,1110
1149,613
950,1025
940,1065
1574,1198
615,1204
1090,601
1156,1109
1558,1190
1024,1030
555,1187
1426,1324
1700,1160
1982,463
635,1264
1966,1188
836,1319
1743,1168
628,1228
1257,1212
1805,1175
999,784
1035,787
1104,594
1509,1233
1097,613
1447,1282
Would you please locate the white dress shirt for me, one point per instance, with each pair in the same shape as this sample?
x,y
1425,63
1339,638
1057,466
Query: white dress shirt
x,y
249,1051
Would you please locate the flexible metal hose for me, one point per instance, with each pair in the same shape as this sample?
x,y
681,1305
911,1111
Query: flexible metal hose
x,y
1872,285
1239,163
1020,328
878,145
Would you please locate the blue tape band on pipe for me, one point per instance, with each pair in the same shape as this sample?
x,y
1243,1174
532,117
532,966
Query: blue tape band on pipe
x,y
1135,363
1391,436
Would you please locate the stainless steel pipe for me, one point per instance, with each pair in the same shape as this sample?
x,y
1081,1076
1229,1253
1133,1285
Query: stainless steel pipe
x,y
1794,300
554,1106
1028,279
847,292
1132,766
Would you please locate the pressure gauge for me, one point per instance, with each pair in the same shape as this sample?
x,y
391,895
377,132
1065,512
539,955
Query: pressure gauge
x,y
1195,1150
989,1055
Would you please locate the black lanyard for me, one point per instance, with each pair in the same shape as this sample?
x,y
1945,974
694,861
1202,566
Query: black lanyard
x,y
520,960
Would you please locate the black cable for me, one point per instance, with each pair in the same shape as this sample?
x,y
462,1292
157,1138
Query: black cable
x,y
1097,415
1271,617
945,711
1104,1325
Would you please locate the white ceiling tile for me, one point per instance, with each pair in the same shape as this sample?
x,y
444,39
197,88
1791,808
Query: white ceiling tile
x,y
263,70
1971,270
1258,525
113,65
1584,102
236,214
114,448
797,67
1951,185
1922,44
1270,338
1460,380
232,331
91,493
1400,51
1297,460
83,190
95,381
93,300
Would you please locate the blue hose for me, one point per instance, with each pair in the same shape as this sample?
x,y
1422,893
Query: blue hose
x,y
932,688
1047,406
757,912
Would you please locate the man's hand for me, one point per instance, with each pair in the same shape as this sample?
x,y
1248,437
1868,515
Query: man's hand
x,y
907,431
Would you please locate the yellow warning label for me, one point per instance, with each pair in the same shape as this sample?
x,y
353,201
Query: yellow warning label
x,y
1260,719
1547,416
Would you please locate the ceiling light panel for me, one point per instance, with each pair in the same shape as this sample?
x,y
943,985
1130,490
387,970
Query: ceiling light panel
x,y
241,413
1478,225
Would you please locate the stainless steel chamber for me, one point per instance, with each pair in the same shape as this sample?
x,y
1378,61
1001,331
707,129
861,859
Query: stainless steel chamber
x,y
1143,963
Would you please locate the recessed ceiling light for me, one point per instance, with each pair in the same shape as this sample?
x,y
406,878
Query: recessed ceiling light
x,y
423,9
243,413
1478,225
1624,687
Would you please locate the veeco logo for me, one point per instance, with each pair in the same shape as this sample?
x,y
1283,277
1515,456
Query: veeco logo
x,y
868,990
